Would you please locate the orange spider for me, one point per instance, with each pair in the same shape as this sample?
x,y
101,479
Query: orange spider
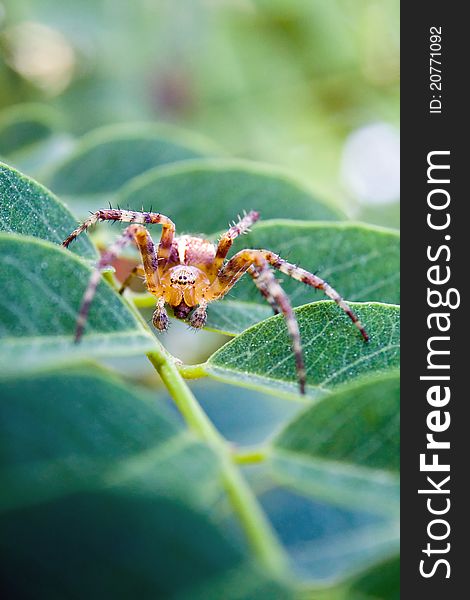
x,y
188,272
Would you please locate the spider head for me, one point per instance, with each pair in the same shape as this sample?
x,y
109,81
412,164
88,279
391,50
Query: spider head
x,y
183,276
184,285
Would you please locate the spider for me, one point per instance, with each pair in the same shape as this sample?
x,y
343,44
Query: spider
x,y
189,272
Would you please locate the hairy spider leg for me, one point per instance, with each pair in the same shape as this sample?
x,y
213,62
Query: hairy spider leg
x,y
198,317
316,282
144,242
137,271
262,288
240,263
267,282
226,239
160,317
259,259
130,216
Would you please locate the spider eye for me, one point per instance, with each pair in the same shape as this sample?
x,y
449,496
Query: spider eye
x,y
183,277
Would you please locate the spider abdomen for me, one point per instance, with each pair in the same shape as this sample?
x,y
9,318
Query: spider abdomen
x,y
193,251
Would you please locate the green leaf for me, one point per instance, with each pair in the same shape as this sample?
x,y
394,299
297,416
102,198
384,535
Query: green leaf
x,y
381,582
329,544
345,449
358,424
42,290
105,495
338,463
23,126
204,196
362,262
81,428
334,352
28,208
31,137
108,157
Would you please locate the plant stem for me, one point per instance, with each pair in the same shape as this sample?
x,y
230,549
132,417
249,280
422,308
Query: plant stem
x,y
250,456
143,300
257,528
184,399
192,371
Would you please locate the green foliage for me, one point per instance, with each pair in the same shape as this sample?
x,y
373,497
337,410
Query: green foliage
x,y
374,406
120,436
32,137
334,351
339,458
42,288
334,464
105,159
227,188
28,208
381,581
24,126
107,476
360,260
101,470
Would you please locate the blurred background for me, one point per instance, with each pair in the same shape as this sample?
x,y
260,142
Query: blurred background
x,y
308,84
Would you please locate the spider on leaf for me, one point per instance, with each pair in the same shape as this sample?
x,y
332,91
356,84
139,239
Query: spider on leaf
x,y
188,273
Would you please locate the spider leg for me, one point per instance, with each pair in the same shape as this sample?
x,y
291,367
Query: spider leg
x,y
240,263
130,216
160,318
144,242
316,282
137,271
266,281
226,240
255,275
199,316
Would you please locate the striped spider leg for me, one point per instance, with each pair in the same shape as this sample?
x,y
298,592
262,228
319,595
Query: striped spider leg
x,y
257,263
223,248
152,262
262,288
